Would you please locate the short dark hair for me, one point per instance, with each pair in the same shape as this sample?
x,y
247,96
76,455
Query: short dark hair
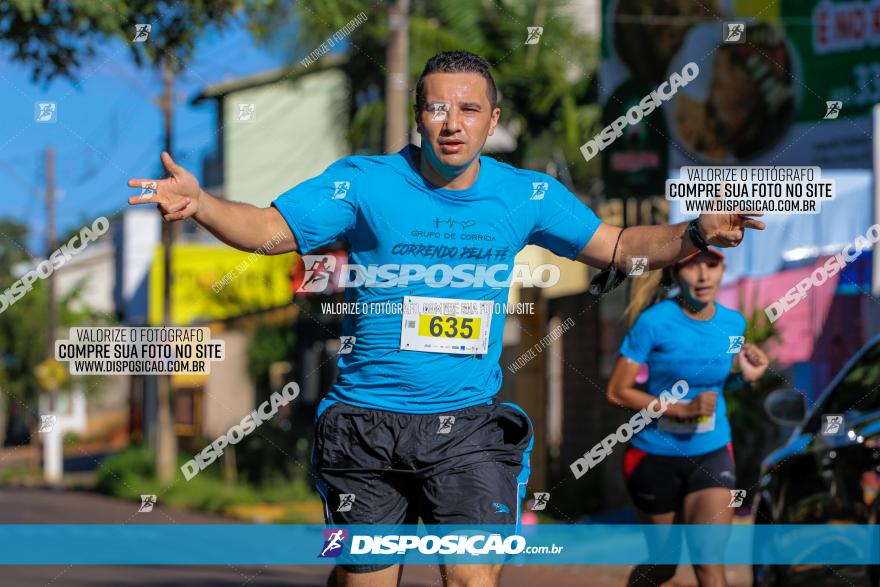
x,y
456,62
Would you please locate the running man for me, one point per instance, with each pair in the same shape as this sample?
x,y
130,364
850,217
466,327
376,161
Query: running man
x,y
377,428
318,272
334,542
680,468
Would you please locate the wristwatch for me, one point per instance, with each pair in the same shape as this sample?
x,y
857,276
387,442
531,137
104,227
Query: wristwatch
x,y
693,231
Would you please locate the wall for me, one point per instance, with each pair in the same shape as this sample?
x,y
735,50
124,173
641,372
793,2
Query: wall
x,y
295,135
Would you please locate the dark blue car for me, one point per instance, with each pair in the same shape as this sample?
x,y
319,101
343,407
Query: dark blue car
x,y
829,470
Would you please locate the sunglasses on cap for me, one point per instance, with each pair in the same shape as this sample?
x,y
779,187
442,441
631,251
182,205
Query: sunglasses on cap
x,y
710,251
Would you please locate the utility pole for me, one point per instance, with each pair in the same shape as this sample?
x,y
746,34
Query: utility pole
x,y
49,199
397,116
166,440
51,237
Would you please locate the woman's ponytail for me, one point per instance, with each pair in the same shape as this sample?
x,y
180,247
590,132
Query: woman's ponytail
x,y
647,290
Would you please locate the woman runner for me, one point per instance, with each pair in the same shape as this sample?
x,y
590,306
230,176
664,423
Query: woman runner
x,y
680,468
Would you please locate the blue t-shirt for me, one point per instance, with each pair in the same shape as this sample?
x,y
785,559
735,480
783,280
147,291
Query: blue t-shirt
x,y
389,214
675,346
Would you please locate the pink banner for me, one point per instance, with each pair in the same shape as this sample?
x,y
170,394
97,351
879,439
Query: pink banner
x,y
799,327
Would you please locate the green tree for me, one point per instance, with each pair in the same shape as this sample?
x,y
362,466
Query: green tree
x,y
23,336
269,344
12,248
754,435
57,38
267,452
18,354
547,90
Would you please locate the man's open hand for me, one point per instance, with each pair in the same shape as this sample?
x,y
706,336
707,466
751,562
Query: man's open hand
x,y
177,196
727,230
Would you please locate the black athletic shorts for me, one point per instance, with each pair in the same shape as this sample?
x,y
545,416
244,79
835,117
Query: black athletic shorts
x,y
469,466
657,484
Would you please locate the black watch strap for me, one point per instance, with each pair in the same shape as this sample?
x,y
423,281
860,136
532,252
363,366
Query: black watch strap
x,y
693,231
609,278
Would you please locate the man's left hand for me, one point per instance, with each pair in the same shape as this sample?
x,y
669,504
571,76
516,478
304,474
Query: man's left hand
x,y
727,230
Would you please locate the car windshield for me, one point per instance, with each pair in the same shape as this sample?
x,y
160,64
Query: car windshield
x,y
859,391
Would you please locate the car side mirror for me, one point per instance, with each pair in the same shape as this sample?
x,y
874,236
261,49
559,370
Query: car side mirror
x,y
786,407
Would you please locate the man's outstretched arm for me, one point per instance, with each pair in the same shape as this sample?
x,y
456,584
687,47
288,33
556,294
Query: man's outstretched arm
x,y
239,225
664,245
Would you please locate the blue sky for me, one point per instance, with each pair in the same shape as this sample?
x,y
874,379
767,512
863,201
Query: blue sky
x,y
109,128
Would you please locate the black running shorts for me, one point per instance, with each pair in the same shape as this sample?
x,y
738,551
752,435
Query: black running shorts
x,y
469,466
658,484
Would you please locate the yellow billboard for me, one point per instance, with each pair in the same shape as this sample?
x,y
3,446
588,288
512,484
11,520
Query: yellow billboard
x,y
215,282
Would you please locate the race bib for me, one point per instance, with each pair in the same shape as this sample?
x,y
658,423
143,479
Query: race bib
x,y
693,425
445,325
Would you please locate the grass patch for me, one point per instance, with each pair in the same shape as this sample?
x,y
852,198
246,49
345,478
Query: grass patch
x,y
16,475
131,472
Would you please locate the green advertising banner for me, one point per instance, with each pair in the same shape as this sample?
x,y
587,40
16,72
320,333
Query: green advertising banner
x,y
838,44
780,82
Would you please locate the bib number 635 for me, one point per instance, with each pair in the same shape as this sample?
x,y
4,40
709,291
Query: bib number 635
x,y
451,326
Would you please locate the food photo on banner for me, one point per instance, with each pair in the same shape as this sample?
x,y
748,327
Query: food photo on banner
x,y
545,292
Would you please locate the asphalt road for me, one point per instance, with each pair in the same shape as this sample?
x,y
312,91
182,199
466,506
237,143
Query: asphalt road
x,y
43,506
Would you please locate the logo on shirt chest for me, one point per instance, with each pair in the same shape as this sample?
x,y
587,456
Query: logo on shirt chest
x,y
453,230
451,223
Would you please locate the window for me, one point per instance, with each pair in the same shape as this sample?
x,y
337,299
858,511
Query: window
x,y
859,391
